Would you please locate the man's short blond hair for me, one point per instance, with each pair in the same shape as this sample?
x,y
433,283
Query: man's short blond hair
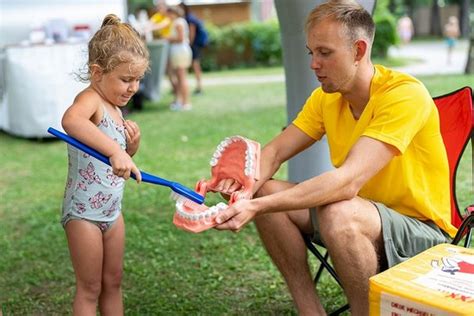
x,y
357,21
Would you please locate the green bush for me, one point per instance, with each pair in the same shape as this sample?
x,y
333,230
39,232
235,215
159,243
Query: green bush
x,y
243,45
266,43
252,44
385,30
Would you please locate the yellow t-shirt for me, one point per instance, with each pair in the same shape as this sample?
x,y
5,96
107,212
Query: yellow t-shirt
x,y
159,18
401,113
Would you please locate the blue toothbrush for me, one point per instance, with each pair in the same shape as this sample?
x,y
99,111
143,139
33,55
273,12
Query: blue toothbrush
x,y
146,177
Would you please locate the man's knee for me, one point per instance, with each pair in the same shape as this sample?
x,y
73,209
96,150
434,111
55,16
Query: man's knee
x,y
341,219
269,220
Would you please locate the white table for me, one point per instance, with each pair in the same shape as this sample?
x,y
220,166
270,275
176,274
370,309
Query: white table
x,y
37,84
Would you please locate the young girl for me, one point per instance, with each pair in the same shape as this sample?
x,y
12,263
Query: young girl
x,y
91,214
180,58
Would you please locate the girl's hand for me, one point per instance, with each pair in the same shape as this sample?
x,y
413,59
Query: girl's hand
x,y
132,134
123,165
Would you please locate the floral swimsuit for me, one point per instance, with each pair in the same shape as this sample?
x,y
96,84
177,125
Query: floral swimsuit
x,y
93,192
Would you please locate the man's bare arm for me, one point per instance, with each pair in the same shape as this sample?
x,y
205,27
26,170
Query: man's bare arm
x,y
366,158
286,145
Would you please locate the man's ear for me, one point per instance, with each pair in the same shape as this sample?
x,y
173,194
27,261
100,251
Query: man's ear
x,y
96,72
361,49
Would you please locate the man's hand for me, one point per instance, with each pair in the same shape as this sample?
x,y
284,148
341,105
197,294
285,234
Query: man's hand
x,y
123,165
236,216
132,134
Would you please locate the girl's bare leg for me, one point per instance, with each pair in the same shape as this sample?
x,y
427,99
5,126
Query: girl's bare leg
x,y
86,249
110,300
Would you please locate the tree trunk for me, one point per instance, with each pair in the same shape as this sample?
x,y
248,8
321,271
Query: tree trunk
x,y
470,58
464,9
435,19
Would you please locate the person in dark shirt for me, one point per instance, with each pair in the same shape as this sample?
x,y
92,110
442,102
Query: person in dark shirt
x,y
198,39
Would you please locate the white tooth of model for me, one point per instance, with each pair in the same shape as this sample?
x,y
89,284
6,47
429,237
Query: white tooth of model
x,y
221,205
213,162
248,163
248,172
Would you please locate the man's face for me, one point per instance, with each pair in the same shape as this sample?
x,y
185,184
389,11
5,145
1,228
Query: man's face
x,y
333,56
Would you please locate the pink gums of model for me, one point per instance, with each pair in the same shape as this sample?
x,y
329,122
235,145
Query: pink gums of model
x,y
235,158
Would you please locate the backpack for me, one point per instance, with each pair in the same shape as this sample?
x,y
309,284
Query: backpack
x,y
202,38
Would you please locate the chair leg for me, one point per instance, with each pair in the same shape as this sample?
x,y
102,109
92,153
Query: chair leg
x,y
467,241
321,267
321,258
466,227
324,264
340,310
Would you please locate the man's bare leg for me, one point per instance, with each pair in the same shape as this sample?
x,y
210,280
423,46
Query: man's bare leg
x,y
352,233
281,235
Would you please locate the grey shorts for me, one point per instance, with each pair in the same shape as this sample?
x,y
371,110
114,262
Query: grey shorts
x,y
404,237
103,226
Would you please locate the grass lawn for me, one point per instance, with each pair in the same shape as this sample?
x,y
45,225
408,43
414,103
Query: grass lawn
x,y
167,271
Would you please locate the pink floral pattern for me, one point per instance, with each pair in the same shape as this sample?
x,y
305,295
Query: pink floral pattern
x,y
99,200
114,180
81,185
111,209
80,207
89,174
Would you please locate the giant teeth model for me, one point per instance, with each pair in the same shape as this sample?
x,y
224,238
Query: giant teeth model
x,y
235,158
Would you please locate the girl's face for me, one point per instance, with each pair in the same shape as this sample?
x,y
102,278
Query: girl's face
x,y
119,85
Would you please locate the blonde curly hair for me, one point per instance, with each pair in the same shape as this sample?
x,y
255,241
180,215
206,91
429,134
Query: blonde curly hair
x,y
113,44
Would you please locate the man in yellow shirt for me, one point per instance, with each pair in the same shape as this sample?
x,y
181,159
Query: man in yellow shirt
x,y
387,197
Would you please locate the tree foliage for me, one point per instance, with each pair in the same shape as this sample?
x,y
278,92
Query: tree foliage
x,y
385,29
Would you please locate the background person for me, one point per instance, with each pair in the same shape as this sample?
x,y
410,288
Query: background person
x,y
386,199
161,27
199,39
91,212
452,33
160,22
180,59
405,29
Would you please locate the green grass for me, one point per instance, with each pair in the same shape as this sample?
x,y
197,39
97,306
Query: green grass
x,y
397,61
167,271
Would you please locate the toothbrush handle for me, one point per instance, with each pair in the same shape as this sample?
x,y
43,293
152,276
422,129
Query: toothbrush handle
x,y
88,150
146,177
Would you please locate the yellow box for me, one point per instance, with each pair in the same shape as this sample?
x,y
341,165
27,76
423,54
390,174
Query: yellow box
x,y
438,281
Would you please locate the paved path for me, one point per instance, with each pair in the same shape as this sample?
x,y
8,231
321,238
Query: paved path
x,y
433,56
